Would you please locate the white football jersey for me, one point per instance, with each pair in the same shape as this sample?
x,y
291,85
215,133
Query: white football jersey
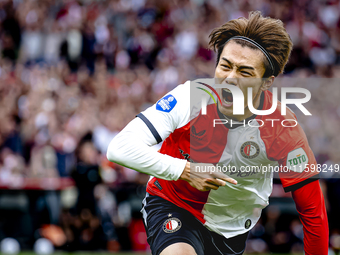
x,y
247,153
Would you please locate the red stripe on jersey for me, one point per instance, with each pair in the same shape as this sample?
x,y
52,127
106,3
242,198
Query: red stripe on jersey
x,y
196,142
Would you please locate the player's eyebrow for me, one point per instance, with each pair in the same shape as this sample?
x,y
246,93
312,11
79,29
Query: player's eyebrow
x,y
240,67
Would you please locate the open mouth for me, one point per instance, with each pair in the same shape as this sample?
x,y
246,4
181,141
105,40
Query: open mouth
x,y
227,96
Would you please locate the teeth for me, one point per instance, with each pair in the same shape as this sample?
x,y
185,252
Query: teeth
x,y
226,101
227,90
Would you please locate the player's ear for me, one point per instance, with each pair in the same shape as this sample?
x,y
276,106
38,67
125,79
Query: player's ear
x,y
267,83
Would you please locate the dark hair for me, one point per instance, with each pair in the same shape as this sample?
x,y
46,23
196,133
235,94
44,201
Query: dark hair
x,y
269,33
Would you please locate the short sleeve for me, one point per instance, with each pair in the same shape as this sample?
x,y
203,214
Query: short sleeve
x,y
297,163
169,113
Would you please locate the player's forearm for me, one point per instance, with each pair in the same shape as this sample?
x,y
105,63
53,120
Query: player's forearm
x,y
311,207
131,148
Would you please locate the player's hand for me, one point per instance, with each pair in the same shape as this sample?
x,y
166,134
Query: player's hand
x,y
204,180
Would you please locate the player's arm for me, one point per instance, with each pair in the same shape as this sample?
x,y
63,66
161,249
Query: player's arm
x,y
132,146
300,176
303,182
311,207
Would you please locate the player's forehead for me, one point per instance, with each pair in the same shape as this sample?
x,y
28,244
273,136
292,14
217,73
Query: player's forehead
x,y
240,55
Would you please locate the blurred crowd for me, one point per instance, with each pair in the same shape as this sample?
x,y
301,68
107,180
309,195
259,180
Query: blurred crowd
x,y
74,73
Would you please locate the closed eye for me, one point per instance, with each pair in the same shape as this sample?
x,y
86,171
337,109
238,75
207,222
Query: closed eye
x,y
225,66
246,73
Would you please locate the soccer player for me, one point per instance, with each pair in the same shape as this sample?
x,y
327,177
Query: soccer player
x,y
197,212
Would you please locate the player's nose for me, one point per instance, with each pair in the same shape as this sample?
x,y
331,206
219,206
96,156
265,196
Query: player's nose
x,y
231,81
231,78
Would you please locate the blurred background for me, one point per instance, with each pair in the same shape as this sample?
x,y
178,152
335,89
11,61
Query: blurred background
x,y
74,73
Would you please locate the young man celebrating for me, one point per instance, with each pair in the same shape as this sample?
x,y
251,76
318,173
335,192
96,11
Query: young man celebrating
x,y
198,212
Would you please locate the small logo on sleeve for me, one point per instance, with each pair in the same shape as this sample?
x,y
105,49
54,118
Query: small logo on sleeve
x,y
166,104
297,160
172,225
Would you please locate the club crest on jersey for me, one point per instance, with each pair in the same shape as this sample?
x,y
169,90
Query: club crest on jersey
x,y
172,225
250,150
166,104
